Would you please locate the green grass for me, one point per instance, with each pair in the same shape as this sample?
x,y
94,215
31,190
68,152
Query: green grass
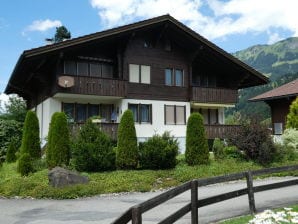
x,y
36,184
247,218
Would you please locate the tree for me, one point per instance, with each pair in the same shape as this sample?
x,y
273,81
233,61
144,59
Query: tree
x,y
58,148
15,109
197,151
127,148
61,34
292,118
30,138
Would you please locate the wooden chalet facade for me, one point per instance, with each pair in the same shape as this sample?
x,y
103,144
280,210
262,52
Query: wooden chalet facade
x,y
279,100
158,68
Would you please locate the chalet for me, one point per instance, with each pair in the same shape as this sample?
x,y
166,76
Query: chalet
x,y
158,68
279,100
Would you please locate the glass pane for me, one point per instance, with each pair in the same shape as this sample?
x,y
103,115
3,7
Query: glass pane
x,y
213,116
81,113
204,81
134,73
93,110
180,115
82,68
179,77
70,68
145,113
95,69
168,77
106,112
170,115
68,109
134,109
205,115
107,71
145,74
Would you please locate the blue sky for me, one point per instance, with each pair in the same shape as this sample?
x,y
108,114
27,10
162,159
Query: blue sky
x,y
231,24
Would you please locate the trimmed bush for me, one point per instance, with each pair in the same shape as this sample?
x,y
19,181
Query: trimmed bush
x,y
11,151
232,152
25,164
127,148
218,149
159,152
58,147
197,151
93,150
30,138
292,118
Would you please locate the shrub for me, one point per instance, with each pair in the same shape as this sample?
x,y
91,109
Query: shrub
x,y
197,151
292,118
30,138
159,152
218,149
11,151
232,152
58,147
93,150
255,141
25,164
127,148
290,143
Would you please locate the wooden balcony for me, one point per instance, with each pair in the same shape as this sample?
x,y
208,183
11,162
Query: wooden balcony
x,y
220,131
214,95
97,86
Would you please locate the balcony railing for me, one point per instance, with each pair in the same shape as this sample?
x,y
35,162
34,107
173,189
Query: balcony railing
x,y
220,131
214,95
98,86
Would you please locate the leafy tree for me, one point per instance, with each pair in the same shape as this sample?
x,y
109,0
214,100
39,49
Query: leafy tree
x,y
93,150
197,151
292,118
58,148
61,34
15,109
30,138
127,148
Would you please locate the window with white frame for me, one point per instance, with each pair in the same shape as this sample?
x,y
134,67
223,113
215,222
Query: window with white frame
x,y
139,73
142,113
175,114
174,77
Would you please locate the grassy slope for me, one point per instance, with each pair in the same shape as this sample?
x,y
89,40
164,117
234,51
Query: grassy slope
x,y
36,185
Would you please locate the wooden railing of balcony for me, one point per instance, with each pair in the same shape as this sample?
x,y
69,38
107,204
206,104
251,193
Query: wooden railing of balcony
x,y
214,95
220,130
98,86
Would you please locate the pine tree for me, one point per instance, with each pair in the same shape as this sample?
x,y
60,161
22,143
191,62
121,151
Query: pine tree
x,y
127,148
292,118
197,151
61,34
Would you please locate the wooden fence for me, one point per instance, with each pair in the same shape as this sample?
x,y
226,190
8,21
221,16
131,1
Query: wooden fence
x,y
134,213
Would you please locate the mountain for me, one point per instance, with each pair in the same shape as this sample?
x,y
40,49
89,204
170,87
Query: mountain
x,y
278,61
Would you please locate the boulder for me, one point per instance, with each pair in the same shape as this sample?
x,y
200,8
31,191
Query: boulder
x,y
60,177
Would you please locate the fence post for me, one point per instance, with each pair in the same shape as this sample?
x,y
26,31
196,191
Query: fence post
x,y
194,202
136,214
250,192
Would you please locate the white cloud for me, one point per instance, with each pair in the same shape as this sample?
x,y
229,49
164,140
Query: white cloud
x,y
274,37
227,17
42,25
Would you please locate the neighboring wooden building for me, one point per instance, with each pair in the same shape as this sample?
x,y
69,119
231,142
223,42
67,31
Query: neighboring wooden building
x,y
158,68
279,100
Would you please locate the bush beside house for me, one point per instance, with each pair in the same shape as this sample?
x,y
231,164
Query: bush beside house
x,y
292,118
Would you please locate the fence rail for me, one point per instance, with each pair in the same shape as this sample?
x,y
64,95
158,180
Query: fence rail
x,y
134,213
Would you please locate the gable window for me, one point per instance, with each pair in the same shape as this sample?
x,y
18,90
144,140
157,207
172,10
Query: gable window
x,y
175,114
174,77
139,73
142,113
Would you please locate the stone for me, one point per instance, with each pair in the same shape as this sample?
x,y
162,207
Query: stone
x,y
60,177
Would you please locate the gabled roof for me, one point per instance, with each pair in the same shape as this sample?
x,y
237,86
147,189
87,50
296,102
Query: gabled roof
x,y
48,49
287,90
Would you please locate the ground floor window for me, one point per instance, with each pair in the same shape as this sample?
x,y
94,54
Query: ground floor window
x,y
210,116
142,113
79,113
175,114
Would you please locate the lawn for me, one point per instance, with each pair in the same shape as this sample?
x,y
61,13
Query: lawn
x,y
36,185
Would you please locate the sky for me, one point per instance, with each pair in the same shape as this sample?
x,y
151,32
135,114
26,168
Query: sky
x,y
233,25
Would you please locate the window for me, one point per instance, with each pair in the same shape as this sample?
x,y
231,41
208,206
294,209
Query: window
x,y
142,113
175,114
83,68
278,128
139,73
174,77
210,116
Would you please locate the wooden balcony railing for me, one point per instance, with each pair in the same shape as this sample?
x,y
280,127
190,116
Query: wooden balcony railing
x,y
214,95
220,131
98,86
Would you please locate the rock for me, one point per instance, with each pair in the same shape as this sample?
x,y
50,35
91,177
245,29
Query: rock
x,y
60,177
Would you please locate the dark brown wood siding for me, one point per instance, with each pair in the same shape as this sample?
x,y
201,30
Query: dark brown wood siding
x,y
214,95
